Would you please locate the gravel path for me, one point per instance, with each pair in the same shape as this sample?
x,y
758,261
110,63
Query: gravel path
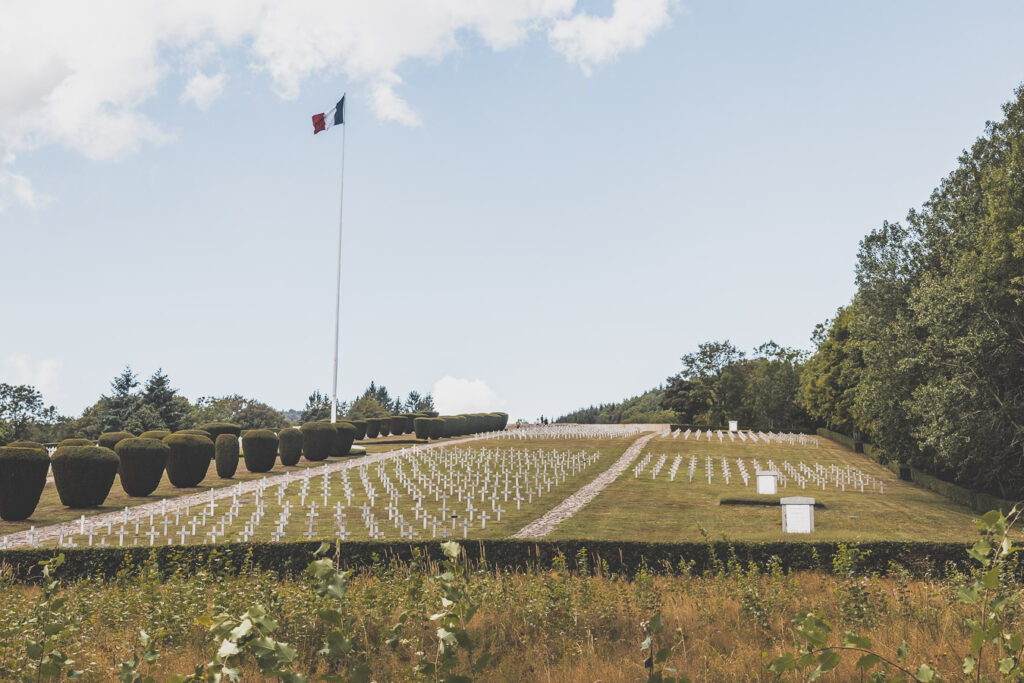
x,y
46,533
545,524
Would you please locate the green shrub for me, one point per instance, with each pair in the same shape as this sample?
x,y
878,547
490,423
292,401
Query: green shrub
x,y
142,464
400,424
384,426
225,450
346,436
448,426
259,449
318,440
360,429
26,444
196,432
289,446
110,439
83,474
215,429
189,459
372,427
77,442
22,478
421,425
436,427
504,421
155,434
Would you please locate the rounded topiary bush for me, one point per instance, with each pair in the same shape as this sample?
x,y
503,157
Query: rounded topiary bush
x,y
360,429
22,478
421,425
83,474
197,432
215,429
503,422
142,464
318,440
189,459
447,426
460,425
155,434
111,439
399,424
384,429
346,436
372,427
26,444
259,449
77,442
436,427
289,446
226,455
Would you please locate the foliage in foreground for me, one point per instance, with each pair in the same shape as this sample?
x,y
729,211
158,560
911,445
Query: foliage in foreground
x,y
453,622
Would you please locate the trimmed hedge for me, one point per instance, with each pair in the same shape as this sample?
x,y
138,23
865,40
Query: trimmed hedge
x,y
110,439
372,427
398,425
83,474
215,429
259,449
189,459
436,427
142,464
155,434
289,446
977,501
318,440
26,444
617,557
77,442
22,478
196,432
346,437
225,455
384,426
421,425
360,426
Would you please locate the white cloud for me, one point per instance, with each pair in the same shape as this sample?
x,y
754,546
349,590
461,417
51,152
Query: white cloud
x,y
202,90
43,374
454,395
75,74
589,41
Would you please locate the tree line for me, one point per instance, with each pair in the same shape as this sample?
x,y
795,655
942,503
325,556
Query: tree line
x,y
134,406
927,360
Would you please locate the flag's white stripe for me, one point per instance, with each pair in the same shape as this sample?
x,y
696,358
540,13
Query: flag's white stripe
x,y
329,118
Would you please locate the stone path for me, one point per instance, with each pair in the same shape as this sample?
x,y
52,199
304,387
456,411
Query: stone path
x,y
547,522
53,531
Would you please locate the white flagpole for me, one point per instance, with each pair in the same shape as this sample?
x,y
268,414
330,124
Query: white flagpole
x,y
337,298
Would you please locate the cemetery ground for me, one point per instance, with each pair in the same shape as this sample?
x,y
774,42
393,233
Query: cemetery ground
x,y
51,511
659,508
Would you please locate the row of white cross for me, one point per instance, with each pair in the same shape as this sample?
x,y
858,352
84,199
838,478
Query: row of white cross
x,y
437,490
842,478
570,431
753,437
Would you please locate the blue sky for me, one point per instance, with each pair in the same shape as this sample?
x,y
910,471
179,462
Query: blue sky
x,y
547,209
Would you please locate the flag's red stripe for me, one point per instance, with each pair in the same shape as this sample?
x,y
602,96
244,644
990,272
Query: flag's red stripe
x,y
318,123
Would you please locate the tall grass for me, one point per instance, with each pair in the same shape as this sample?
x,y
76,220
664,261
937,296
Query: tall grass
x,y
572,623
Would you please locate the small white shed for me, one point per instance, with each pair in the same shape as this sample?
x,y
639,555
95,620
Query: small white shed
x,y
734,425
797,515
767,482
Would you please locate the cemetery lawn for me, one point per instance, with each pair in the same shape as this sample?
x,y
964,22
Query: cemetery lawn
x,y
662,510
50,510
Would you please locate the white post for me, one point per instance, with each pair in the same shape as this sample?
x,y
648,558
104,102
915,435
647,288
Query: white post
x,y
337,299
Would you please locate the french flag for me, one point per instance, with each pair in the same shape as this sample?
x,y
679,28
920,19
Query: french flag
x,y
334,117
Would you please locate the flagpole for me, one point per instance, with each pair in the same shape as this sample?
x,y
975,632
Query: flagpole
x,y
337,297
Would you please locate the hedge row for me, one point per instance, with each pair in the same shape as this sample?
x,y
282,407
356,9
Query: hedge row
x,y
619,557
458,425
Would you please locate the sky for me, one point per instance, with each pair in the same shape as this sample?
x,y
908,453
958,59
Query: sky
x,y
546,202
